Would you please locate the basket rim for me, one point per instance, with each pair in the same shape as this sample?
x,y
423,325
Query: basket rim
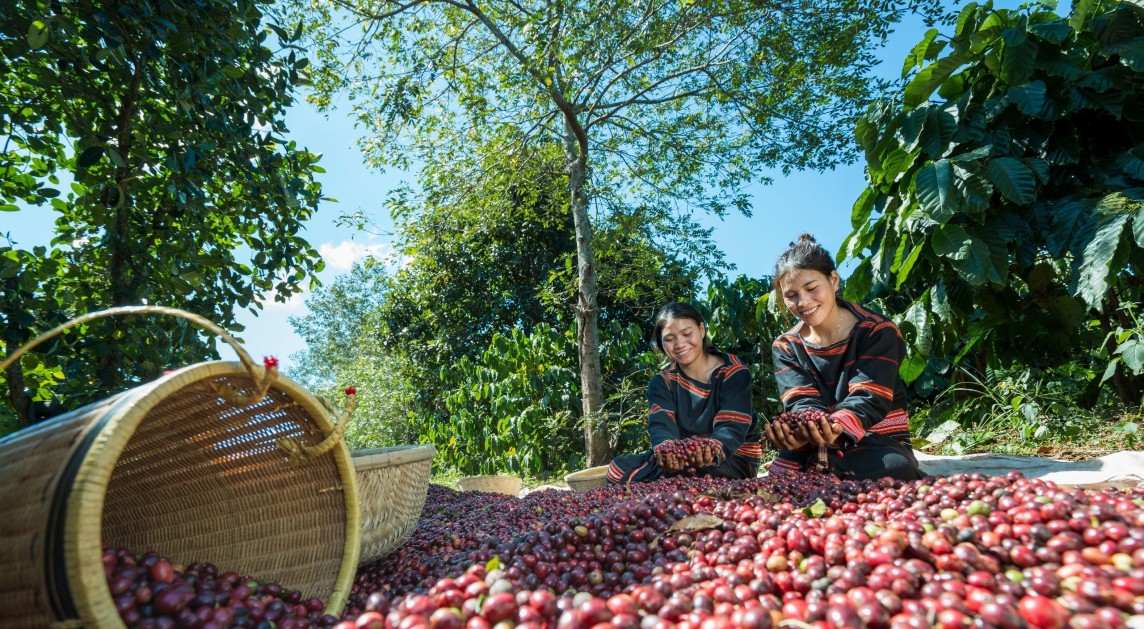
x,y
587,474
392,455
123,418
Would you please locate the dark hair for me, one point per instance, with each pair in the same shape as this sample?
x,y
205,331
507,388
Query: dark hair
x,y
805,254
679,310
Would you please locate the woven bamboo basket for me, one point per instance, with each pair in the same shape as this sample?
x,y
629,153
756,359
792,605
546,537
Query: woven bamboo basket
x,y
493,483
175,467
588,479
392,483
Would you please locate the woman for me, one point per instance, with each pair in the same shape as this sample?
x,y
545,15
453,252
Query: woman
x,y
843,360
700,418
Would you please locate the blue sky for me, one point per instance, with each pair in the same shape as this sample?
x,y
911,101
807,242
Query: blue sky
x,y
803,201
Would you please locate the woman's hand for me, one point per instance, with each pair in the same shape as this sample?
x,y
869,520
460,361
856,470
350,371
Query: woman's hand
x,y
670,462
783,437
704,456
822,431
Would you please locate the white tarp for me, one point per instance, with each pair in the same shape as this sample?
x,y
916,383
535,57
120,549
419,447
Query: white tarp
x,y
1121,468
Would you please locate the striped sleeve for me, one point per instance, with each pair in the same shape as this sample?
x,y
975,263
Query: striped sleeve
x,y
661,423
798,391
735,414
796,386
870,391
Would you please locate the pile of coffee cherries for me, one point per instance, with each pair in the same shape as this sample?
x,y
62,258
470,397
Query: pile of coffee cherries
x,y
802,550
152,592
799,550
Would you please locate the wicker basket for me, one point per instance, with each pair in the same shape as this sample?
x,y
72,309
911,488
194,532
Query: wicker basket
x,y
588,479
496,483
172,466
392,483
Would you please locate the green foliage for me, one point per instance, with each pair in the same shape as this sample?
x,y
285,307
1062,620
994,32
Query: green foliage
x,y
1006,195
138,128
1015,410
344,335
1129,349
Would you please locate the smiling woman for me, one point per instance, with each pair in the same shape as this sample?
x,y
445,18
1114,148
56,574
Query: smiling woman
x,y
837,373
700,418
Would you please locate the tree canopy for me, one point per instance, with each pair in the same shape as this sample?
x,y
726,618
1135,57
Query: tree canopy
x,y
156,132
671,103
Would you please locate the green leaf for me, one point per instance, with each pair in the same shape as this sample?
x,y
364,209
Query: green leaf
x,y
934,188
1014,179
89,157
919,88
1132,162
974,188
1081,12
1110,370
937,132
969,255
1132,352
1092,281
1131,51
233,72
116,157
1017,62
907,265
1029,97
38,34
860,213
859,283
1052,32
1138,227
917,316
9,207
917,54
815,510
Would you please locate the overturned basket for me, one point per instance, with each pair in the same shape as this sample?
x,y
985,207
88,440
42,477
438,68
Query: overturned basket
x,y
493,483
392,483
588,479
191,465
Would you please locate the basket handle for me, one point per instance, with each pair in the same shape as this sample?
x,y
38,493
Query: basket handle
x,y
263,383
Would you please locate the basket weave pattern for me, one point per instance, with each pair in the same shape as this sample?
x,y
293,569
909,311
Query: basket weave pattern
x,y
588,479
493,483
170,466
392,484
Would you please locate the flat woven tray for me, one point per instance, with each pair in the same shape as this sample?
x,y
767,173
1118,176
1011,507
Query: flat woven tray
x,y
588,479
392,483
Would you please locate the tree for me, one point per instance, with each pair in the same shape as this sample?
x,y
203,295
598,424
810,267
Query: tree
x,y
670,102
344,332
1006,196
155,130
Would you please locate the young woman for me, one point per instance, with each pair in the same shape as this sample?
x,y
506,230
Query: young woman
x,y
843,360
700,418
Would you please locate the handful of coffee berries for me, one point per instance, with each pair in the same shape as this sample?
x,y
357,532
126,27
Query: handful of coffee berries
x,y
795,419
688,449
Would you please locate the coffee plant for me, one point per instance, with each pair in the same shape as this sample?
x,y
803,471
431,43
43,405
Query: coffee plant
x,y
1004,209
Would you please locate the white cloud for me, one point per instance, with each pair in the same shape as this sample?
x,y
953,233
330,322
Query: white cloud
x,y
292,303
341,256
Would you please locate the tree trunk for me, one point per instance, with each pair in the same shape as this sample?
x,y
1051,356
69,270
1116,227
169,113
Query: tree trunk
x,y
596,444
110,370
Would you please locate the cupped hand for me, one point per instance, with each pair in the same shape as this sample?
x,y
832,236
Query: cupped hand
x,y
670,462
783,437
821,431
703,456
